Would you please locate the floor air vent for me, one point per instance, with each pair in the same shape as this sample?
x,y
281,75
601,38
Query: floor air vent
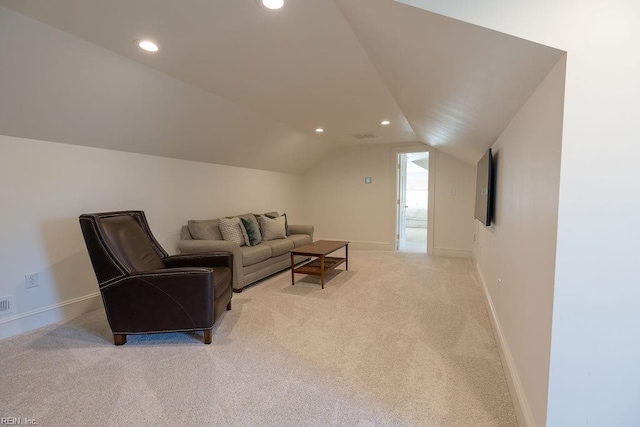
x,y
364,135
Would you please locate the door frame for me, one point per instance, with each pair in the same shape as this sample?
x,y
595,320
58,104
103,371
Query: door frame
x,y
416,148
401,204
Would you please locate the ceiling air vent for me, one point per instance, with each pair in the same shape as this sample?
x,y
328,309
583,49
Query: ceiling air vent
x,y
364,135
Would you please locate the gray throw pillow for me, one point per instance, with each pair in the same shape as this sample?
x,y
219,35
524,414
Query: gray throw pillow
x,y
253,231
272,228
286,221
232,230
250,217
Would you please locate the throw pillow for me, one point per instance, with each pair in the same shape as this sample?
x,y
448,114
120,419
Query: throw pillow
x,y
286,221
233,231
251,217
272,228
268,214
253,231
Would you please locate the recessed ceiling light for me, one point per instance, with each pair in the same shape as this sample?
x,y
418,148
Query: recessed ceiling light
x,y
147,45
385,122
273,4
319,130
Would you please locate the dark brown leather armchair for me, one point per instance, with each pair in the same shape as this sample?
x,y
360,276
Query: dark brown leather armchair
x,y
145,290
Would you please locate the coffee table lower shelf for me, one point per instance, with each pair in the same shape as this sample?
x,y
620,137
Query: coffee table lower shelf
x,y
313,267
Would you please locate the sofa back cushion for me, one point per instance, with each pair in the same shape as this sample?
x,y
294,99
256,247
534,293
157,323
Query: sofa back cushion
x,y
185,234
205,229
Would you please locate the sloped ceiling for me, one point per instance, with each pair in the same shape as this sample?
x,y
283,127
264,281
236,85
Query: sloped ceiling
x,y
247,87
459,85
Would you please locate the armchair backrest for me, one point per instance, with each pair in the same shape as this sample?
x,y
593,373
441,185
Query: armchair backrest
x,y
120,243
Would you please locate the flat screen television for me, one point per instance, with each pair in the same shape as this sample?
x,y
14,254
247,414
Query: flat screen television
x,y
484,189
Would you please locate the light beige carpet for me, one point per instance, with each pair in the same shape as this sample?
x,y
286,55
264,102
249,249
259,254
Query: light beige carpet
x,y
400,339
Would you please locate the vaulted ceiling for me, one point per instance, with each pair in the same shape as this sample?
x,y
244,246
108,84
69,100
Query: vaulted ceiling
x,y
267,79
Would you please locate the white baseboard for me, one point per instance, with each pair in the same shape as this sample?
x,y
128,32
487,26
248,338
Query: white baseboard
x,y
457,253
59,312
363,245
519,398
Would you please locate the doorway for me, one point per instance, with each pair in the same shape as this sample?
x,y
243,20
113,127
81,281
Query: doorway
x,y
412,201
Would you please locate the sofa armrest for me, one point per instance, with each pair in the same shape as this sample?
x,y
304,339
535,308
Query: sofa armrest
x,y
301,229
205,246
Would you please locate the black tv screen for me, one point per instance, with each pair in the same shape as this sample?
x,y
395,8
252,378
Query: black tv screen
x,y
484,189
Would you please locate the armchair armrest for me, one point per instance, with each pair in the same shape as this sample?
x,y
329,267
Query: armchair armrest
x,y
301,229
160,300
206,246
209,259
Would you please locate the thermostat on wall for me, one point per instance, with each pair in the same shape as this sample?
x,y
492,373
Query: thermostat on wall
x,y
367,180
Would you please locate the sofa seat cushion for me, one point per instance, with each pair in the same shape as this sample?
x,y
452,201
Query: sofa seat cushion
x,y
300,239
279,246
255,254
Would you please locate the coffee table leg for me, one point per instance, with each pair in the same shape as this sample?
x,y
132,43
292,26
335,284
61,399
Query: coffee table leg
x,y
292,273
346,257
322,269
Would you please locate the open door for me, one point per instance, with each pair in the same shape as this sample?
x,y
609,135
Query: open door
x,y
412,201
401,235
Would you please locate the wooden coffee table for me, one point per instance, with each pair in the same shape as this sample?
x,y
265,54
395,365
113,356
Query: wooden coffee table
x,y
322,263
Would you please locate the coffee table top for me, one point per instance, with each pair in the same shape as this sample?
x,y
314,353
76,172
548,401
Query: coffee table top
x,y
320,247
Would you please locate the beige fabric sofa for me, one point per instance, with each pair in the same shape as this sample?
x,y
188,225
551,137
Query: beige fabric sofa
x,y
250,263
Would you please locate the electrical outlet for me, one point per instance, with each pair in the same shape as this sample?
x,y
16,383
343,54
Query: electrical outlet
x,y
31,280
6,305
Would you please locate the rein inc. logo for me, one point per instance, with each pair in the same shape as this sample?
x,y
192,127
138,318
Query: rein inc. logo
x,y
17,421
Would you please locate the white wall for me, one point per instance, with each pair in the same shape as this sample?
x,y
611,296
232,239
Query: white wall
x,y
342,206
57,87
519,248
453,206
46,186
594,377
